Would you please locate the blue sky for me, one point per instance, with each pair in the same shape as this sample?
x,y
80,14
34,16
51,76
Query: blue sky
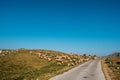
x,y
78,26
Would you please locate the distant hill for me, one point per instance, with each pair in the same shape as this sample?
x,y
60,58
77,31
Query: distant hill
x,y
115,54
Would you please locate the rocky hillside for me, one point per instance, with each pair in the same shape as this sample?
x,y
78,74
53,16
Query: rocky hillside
x,y
115,54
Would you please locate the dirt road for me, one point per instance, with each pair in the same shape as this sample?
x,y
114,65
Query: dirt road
x,y
90,70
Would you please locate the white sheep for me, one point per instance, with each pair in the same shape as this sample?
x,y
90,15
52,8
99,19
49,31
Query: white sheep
x,y
0,51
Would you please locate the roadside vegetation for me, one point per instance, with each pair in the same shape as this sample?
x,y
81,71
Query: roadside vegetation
x,y
25,64
113,65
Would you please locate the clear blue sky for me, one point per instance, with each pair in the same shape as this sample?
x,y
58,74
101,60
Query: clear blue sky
x,y
79,26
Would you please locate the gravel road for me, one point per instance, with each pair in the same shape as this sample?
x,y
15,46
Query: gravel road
x,y
90,70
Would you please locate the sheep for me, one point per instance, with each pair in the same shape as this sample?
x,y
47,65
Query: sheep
x,y
59,60
68,64
0,51
30,52
39,54
59,63
72,64
49,59
117,67
2,54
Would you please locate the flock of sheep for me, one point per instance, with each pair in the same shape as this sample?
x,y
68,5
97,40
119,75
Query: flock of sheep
x,y
58,57
62,58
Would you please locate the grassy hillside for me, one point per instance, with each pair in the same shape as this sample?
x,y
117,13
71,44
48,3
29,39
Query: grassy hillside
x,y
36,64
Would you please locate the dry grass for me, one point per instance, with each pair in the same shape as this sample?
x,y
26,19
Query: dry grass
x,y
111,68
105,70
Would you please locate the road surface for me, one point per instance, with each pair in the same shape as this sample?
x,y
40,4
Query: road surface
x,y
90,70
